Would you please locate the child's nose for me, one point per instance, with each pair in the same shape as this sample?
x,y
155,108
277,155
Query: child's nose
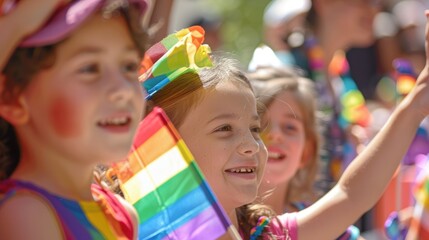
x,y
249,146
274,134
121,88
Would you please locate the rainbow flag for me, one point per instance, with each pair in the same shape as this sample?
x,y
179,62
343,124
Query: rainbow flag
x,y
163,182
178,53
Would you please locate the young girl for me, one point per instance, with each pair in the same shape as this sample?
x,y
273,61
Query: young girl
x,y
291,138
331,28
218,120
70,99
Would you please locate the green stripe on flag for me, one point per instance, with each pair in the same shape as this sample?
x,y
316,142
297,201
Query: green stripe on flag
x,y
167,194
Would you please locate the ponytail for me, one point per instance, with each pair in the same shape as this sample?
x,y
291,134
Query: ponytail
x,y
248,217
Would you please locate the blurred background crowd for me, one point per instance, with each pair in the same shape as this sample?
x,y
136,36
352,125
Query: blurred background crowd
x,y
241,26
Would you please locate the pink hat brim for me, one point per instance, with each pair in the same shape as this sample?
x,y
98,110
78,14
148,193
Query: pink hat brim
x,y
65,20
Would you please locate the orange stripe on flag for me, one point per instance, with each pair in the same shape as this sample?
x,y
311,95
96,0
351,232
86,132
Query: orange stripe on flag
x,y
159,143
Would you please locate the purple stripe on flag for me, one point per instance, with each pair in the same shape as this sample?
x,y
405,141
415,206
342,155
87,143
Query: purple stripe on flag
x,y
204,226
211,196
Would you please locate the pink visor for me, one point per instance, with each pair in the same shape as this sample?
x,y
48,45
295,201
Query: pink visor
x,y
66,19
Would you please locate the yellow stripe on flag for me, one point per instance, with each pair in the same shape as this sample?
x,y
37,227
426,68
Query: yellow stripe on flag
x,y
155,146
187,155
144,182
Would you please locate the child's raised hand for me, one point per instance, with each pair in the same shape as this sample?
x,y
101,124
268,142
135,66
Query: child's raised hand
x,y
29,15
420,93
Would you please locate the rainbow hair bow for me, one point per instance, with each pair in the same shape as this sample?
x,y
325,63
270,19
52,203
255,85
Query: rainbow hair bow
x,y
178,53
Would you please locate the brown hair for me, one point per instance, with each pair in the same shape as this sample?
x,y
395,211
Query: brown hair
x,y
186,92
269,82
26,62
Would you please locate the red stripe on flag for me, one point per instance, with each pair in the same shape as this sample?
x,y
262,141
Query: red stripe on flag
x,y
150,127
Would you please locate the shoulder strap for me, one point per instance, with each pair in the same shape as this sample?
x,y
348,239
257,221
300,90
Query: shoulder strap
x,y
10,188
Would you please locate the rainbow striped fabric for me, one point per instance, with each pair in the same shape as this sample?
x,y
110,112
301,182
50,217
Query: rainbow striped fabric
x,y
163,182
175,55
105,218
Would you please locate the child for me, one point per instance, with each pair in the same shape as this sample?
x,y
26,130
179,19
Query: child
x,y
291,137
324,39
215,113
219,122
70,99
292,140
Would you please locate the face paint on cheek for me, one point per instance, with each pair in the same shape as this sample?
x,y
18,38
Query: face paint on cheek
x,y
63,117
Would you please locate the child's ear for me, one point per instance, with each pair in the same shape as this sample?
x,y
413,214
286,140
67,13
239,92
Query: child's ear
x,y
13,110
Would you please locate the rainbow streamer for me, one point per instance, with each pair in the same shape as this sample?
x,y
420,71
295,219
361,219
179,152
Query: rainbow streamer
x,y
175,55
163,182
354,110
419,226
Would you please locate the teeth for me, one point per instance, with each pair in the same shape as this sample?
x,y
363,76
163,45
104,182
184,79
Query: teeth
x,y
243,170
114,121
275,155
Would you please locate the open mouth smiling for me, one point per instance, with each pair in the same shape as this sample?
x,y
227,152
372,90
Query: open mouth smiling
x,y
242,170
276,156
118,121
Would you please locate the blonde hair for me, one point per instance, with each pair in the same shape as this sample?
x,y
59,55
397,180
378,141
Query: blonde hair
x,y
269,82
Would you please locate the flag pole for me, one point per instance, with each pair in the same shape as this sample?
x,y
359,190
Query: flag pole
x,y
233,233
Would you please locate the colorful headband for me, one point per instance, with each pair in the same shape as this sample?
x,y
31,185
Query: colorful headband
x,y
178,53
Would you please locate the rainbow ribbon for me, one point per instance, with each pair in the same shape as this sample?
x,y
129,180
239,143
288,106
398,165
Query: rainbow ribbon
x,y
256,231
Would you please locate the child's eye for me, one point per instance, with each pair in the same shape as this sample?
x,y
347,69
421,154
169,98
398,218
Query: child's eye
x,y
89,69
89,72
256,130
131,67
289,128
224,128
